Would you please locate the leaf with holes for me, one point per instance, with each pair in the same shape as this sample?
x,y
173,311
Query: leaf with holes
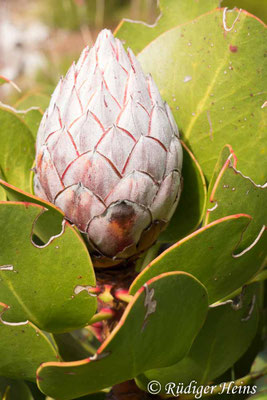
x,y
33,98
136,345
213,256
49,223
225,336
212,71
231,192
43,284
256,7
23,347
31,108
172,13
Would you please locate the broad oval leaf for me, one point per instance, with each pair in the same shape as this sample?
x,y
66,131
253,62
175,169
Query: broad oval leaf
x,y
136,344
204,70
49,223
39,282
172,13
232,192
33,98
224,337
33,104
16,149
32,118
23,347
215,255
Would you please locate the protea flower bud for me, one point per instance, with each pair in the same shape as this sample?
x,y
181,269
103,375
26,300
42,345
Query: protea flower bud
x,y
108,153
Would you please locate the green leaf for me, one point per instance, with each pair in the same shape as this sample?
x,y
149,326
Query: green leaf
x,y
23,347
137,34
49,223
231,192
34,98
70,348
191,207
14,390
3,196
37,395
32,118
33,103
47,285
212,255
225,336
256,7
260,362
213,78
16,149
136,344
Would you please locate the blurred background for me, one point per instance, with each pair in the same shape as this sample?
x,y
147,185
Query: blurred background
x,y
39,39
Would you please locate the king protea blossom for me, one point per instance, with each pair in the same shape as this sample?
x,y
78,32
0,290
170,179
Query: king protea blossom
x,y
108,153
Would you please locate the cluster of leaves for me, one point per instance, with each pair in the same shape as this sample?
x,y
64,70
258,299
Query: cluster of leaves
x,y
209,65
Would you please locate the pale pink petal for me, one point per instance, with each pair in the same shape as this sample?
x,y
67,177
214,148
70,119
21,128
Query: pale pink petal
x,y
67,85
61,149
134,119
89,87
88,133
172,120
138,187
55,96
42,131
94,172
116,145
82,60
48,125
160,127
148,156
79,204
154,92
105,47
47,174
104,107
162,206
38,189
138,90
75,127
72,109
122,55
175,156
116,79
